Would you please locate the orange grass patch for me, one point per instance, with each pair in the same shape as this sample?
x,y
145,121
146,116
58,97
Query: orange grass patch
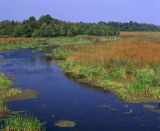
x,y
139,52
15,40
137,33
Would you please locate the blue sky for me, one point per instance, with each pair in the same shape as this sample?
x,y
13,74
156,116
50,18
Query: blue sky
x,y
83,10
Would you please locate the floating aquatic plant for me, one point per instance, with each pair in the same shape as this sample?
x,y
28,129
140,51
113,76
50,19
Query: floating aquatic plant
x,y
65,123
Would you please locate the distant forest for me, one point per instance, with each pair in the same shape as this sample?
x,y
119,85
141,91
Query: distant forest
x,y
46,26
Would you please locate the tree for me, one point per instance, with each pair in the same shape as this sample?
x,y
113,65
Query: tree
x,y
32,22
7,28
47,26
47,19
22,30
44,31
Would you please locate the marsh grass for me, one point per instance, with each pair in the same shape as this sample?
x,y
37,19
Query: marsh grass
x,y
68,44
7,46
129,67
5,83
5,92
129,86
79,40
9,93
19,123
57,54
5,87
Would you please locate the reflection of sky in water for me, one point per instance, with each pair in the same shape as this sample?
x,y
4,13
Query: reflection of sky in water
x,y
62,98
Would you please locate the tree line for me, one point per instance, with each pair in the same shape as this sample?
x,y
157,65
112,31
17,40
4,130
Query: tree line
x,y
46,26
134,26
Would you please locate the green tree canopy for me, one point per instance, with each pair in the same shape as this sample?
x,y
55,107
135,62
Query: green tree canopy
x,y
46,26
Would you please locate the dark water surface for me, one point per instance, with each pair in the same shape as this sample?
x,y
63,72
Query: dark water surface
x,y
61,98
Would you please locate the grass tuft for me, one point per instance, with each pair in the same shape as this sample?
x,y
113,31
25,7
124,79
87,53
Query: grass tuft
x,y
19,123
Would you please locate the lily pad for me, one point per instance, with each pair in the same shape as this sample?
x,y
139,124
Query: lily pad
x,y
65,124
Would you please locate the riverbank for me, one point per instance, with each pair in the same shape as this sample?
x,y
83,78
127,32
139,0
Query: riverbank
x,y
8,93
60,96
128,67
14,94
15,120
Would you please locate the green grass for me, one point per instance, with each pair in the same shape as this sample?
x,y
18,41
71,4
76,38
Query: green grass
x,y
5,92
5,83
5,87
76,40
94,75
19,123
57,53
7,46
144,84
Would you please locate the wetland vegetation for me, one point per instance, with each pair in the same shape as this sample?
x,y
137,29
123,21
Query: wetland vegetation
x,y
19,123
129,66
13,121
125,63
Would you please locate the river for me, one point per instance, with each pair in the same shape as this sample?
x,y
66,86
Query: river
x,y
62,98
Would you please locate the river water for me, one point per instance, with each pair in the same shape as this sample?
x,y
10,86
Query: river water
x,y
61,98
